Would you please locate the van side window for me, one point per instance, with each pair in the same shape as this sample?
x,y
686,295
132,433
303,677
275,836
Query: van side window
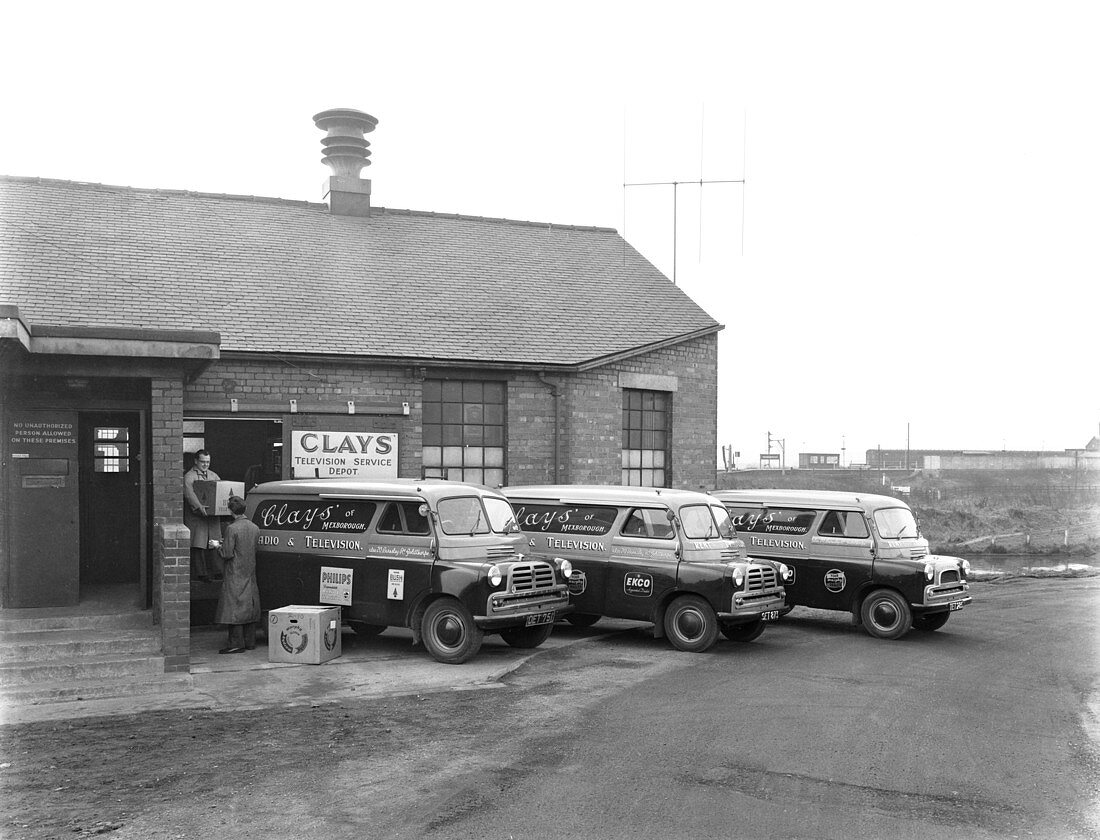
x,y
839,523
403,518
648,522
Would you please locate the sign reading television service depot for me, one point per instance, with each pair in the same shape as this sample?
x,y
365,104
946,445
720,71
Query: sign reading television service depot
x,y
316,454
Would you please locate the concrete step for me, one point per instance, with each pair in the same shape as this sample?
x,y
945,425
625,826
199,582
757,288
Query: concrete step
x,y
38,646
81,669
65,691
11,622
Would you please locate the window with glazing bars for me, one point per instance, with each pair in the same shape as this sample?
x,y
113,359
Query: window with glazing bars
x,y
464,430
646,456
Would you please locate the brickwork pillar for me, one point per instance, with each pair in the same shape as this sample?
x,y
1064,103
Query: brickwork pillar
x,y
171,538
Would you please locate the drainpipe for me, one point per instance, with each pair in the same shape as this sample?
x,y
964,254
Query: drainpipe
x,y
555,392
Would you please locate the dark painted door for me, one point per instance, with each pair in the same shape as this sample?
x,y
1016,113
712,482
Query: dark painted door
x,y
43,489
110,498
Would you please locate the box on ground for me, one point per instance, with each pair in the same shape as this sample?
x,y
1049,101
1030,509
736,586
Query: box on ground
x,y
303,635
214,495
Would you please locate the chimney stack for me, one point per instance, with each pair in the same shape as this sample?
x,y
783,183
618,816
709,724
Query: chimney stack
x,y
346,152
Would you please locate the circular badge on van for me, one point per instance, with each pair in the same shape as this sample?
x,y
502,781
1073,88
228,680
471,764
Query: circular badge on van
x,y
578,582
835,580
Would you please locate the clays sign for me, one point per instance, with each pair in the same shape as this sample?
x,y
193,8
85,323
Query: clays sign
x,y
316,454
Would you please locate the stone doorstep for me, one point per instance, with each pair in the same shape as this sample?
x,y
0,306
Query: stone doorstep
x,y
118,621
81,669
37,646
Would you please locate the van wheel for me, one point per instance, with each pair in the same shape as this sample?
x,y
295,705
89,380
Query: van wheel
x,y
886,615
743,632
526,637
930,622
691,624
364,630
582,619
449,632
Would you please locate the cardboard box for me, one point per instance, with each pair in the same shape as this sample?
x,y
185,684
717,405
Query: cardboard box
x,y
303,635
214,495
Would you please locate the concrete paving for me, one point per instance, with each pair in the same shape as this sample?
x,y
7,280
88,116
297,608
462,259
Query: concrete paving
x,y
386,665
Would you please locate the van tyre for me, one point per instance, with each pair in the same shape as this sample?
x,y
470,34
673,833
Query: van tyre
x,y
886,615
364,630
449,632
582,619
526,637
691,624
744,632
930,622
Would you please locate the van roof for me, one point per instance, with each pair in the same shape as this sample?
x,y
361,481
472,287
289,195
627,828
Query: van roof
x,y
810,498
608,494
410,488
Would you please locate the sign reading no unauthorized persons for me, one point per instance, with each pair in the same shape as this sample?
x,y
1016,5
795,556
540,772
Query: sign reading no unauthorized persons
x,y
343,454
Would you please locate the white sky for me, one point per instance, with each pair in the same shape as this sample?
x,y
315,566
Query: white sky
x,y
922,205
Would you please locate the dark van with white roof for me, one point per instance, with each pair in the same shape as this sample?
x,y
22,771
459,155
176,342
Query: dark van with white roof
x,y
858,552
669,557
443,558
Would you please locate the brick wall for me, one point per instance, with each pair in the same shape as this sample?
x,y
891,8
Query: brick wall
x,y
589,411
171,538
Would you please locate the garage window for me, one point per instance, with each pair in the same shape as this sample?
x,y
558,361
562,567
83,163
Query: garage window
x,y
646,422
464,430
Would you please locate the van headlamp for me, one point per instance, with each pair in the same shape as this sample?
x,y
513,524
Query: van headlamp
x,y
929,571
965,564
785,573
495,575
738,577
565,567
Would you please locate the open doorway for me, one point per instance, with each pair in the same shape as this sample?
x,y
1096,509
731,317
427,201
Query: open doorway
x,y
248,450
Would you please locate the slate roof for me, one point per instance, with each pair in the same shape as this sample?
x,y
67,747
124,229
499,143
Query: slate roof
x,y
282,276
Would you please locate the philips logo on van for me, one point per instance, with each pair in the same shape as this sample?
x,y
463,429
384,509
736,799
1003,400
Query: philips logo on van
x,y
772,543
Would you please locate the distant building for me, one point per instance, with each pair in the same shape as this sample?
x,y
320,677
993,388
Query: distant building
x,y
991,459
818,460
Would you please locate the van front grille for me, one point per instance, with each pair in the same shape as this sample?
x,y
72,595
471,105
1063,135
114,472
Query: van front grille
x,y
529,576
949,576
761,577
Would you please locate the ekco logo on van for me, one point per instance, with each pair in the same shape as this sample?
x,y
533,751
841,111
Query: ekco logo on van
x,y
638,584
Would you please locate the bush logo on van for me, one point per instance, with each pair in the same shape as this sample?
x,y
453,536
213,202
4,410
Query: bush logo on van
x,y
835,580
638,584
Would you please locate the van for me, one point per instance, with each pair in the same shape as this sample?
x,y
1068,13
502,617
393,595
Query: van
x,y
443,558
857,552
668,557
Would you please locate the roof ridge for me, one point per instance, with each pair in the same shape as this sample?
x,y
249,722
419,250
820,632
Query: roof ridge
x,y
290,202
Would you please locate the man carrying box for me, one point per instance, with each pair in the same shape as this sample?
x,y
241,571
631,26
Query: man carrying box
x,y
205,528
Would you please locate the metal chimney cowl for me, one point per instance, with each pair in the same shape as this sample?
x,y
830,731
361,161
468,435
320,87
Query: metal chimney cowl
x,y
346,152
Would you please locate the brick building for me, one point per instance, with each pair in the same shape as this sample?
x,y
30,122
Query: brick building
x,y
137,326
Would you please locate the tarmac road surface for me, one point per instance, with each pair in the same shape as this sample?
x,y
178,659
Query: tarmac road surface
x,y
985,729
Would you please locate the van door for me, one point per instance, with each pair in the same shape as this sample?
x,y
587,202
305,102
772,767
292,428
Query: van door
x,y
644,564
397,570
840,561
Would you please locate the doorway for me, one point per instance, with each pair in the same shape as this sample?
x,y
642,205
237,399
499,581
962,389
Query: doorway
x,y
112,529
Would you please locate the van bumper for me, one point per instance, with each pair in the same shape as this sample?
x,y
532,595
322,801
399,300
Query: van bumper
x,y
752,605
505,610
940,599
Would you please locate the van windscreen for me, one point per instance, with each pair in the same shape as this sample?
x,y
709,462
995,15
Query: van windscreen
x,y
896,523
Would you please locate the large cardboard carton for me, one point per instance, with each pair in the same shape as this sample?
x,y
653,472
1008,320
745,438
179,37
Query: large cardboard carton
x,y
214,495
303,635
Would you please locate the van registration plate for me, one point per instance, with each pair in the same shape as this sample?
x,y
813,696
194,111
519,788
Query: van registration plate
x,y
770,615
955,605
540,618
